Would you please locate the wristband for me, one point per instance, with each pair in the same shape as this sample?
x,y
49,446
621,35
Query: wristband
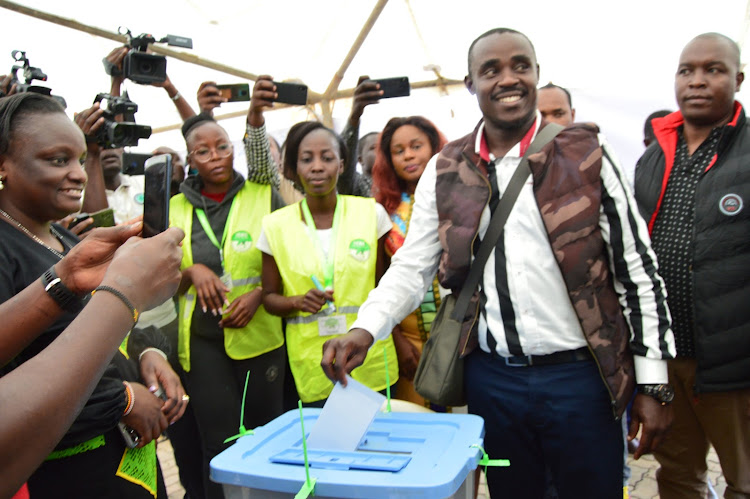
x,y
63,296
131,398
123,298
176,97
152,349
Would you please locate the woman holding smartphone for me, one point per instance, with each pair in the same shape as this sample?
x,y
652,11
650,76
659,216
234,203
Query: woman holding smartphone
x,y
321,257
42,179
224,331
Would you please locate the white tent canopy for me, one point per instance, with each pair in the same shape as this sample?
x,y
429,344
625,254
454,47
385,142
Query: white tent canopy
x,y
618,59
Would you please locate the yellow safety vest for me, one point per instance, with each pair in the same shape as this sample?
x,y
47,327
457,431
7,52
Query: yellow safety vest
x,y
243,260
354,277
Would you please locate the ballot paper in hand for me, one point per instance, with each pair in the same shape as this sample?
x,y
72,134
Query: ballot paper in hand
x,y
345,417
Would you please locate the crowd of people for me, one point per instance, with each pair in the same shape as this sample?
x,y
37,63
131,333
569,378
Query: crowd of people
x,y
267,288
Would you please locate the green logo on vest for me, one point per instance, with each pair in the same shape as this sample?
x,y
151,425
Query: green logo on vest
x,y
242,241
331,323
359,250
138,198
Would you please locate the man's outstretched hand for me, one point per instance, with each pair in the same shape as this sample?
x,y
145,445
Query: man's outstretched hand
x,y
343,354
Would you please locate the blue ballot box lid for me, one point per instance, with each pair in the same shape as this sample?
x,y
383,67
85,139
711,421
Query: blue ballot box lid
x,y
402,454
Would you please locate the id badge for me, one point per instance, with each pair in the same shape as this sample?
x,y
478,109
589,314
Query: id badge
x,y
226,280
331,325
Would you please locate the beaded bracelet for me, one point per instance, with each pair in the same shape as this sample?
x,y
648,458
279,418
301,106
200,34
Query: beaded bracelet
x,y
123,298
152,349
131,398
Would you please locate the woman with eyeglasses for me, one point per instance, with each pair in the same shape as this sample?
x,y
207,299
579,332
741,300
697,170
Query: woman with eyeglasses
x,y
224,331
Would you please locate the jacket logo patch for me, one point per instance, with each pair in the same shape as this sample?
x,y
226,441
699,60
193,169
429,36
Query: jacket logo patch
x,y
242,241
138,198
359,250
730,205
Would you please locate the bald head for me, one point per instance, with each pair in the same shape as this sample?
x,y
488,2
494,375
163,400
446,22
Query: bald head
x,y
707,78
731,45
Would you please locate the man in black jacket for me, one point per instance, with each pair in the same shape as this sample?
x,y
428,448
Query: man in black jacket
x,y
693,186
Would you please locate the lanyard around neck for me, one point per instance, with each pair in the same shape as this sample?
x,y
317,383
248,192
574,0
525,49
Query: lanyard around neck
x,y
203,219
326,260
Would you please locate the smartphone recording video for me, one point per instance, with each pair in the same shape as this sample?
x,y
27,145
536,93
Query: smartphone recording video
x,y
237,92
291,93
394,87
157,191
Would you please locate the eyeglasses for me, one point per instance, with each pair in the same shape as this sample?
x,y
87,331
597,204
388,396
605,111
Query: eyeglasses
x,y
203,154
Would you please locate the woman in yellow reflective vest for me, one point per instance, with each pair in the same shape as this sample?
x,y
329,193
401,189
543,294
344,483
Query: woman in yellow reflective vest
x,y
224,331
321,257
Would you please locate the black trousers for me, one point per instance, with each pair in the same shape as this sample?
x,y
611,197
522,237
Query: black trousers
x,y
215,383
557,417
91,475
184,435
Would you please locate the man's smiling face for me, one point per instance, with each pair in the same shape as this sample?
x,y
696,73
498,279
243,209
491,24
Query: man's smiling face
x,y
504,75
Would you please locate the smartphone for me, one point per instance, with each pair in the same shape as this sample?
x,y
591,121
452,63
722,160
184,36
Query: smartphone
x,y
291,93
235,92
102,218
130,436
394,87
133,163
157,191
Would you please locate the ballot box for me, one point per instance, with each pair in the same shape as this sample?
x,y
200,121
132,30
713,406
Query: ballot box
x,y
426,455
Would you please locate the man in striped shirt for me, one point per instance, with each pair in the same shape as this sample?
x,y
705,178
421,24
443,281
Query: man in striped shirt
x,y
569,304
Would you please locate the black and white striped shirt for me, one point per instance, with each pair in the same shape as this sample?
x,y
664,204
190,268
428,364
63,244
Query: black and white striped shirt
x,y
542,316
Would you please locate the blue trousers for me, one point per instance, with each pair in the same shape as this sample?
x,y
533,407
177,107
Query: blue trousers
x,y
557,417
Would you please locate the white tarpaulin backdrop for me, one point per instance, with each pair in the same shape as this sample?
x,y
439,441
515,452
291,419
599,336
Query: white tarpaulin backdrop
x,y
617,58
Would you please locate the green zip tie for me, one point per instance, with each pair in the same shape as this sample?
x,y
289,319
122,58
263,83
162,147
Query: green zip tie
x,y
243,431
308,488
486,461
387,382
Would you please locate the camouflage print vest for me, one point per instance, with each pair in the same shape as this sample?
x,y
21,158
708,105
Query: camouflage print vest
x,y
567,188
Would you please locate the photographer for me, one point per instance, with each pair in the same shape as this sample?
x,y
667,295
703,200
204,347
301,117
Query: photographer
x,y
109,187
261,166
40,151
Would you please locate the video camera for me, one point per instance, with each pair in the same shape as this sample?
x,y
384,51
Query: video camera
x,y
30,74
140,66
113,133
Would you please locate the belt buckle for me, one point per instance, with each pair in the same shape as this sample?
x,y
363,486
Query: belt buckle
x,y
519,361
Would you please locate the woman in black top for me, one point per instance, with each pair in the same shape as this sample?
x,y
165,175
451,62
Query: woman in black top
x,y
41,156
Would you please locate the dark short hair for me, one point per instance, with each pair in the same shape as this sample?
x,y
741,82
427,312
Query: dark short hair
x,y
552,85
497,31
18,106
648,128
294,138
194,122
361,143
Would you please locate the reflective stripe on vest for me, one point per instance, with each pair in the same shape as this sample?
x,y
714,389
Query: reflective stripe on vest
x,y
307,319
354,278
244,261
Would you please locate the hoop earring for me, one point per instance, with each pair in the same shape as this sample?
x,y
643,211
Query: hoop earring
x,y
2,186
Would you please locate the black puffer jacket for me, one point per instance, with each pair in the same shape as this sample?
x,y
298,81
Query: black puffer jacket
x,y
720,247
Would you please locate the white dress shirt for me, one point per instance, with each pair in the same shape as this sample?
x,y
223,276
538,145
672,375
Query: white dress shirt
x,y
545,319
